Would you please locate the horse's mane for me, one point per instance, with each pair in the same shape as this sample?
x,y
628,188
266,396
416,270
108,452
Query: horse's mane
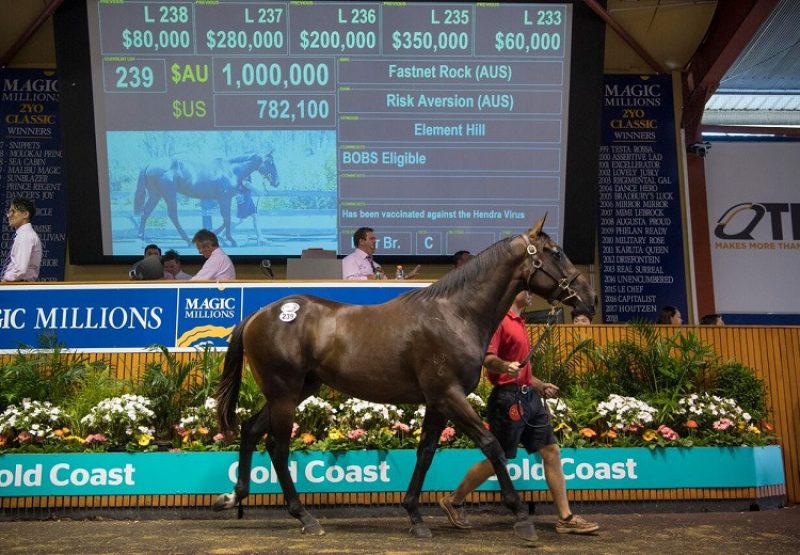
x,y
244,158
457,279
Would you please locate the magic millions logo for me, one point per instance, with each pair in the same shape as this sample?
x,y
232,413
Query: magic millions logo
x,y
207,317
759,226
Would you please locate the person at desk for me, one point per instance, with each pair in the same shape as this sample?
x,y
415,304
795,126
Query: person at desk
x,y
23,261
172,265
359,264
152,250
218,265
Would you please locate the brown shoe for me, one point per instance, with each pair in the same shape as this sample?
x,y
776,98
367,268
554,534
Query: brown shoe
x,y
455,513
575,525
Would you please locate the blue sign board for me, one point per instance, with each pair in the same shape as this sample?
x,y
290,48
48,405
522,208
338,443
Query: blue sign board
x,y
134,317
641,230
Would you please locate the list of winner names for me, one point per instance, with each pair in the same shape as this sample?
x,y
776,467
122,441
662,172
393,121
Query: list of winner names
x,y
410,89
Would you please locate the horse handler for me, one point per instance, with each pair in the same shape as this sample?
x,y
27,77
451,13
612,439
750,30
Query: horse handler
x,y
517,414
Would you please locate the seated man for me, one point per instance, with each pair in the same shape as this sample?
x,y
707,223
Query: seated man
x,y
152,250
218,265
517,413
147,269
359,264
172,265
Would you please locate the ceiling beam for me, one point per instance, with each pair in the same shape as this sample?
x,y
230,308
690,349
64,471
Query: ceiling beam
x,y
20,43
625,36
734,24
753,130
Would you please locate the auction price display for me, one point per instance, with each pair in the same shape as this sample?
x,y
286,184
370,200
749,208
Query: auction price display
x,y
449,119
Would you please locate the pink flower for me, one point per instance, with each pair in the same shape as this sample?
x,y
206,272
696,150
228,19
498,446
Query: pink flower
x,y
295,429
24,437
219,437
668,433
723,424
447,434
356,434
401,427
96,438
632,428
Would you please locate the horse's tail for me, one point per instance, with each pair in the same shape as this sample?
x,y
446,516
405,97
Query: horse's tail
x,y
228,390
141,193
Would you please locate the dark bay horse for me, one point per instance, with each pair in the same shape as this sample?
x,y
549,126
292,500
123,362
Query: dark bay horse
x,y
213,179
425,346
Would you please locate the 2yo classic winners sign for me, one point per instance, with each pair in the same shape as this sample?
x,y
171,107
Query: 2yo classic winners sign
x,y
381,471
30,161
641,231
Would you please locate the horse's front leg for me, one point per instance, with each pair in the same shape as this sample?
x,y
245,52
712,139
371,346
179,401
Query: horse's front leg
x,y
432,427
172,212
468,422
149,206
225,212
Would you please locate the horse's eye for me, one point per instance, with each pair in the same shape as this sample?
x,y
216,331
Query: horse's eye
x,y
556,253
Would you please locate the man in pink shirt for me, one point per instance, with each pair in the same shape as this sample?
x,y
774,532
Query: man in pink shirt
x,y
217,265
22,263
359,264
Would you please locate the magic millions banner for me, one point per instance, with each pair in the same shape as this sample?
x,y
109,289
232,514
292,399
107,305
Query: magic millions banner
x,y
136,316
382,471
641,229
30,161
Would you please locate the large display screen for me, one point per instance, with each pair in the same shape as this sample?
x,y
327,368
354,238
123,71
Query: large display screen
x,y
284,126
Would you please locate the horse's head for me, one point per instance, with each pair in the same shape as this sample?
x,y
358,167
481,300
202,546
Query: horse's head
x,y
551,275
268,170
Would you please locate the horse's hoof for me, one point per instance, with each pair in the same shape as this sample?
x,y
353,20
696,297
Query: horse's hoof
x,y
420,531
526,531
224,501
313,529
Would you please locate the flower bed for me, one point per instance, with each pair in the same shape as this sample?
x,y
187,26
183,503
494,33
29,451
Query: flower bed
x,y
647,391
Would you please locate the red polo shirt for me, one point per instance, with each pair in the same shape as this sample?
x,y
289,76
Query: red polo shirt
x,y
511,343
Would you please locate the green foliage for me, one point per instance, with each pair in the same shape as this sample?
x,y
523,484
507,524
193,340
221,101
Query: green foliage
x,y
95,385
736,381
649,365
250,397
557,364
208,370
49,373
166,384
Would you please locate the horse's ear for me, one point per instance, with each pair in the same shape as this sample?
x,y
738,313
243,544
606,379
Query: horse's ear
x,y
538,226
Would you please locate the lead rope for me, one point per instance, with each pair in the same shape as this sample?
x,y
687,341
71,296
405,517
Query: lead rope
x,y
524,389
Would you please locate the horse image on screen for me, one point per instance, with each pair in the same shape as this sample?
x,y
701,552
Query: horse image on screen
x,y
252,188
216,180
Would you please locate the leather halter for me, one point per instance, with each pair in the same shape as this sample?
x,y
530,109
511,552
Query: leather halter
x,y
564,283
